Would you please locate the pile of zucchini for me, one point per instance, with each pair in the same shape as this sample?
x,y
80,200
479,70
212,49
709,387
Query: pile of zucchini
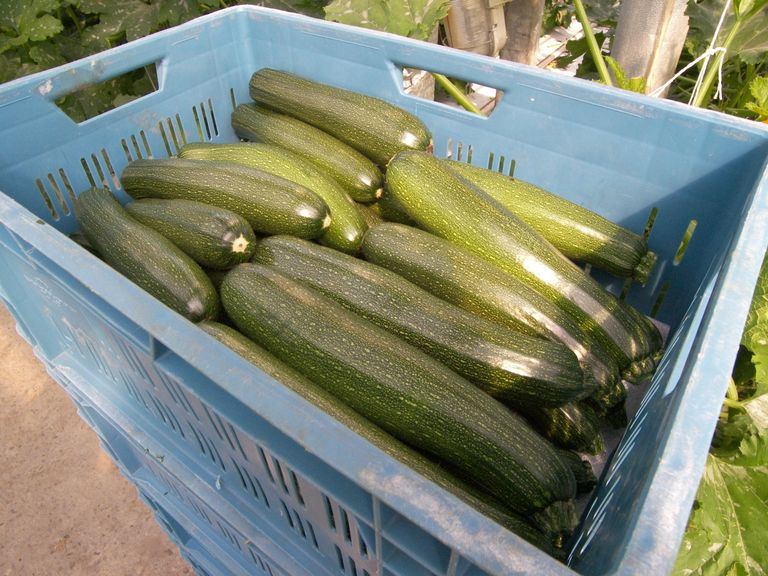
x,y
431,306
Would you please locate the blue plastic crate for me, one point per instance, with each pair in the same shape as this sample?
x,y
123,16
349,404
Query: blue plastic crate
x,y
620,154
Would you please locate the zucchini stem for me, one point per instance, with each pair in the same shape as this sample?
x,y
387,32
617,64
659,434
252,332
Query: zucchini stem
x,y
594,49
456,94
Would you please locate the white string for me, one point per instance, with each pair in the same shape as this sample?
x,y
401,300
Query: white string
x,y
703,71
658,91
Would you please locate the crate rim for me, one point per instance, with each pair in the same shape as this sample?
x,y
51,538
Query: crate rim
x,y
642,100
732,278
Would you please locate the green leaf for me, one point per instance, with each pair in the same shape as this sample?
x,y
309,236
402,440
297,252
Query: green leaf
x,y
758,88
413,18
43,55
173,12
9,64
726,530
755,336
730,433
750,41
43,27
25,22
753,450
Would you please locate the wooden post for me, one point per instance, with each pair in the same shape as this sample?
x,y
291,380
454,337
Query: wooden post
x,y
523,21
650,35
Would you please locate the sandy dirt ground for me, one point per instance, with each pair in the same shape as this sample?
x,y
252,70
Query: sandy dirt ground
x,y
64,507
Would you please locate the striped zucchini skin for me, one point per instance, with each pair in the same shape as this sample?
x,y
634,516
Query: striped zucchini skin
x,y
396,386
577,232
442,203
144,256
391,211
370,216
518,370
574,426
469,282
347,226
213,237
372,126
417,462
582,471
270,204
355,173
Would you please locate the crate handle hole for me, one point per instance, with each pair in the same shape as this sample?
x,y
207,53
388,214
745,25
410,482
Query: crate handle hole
x,y
84,103
451,92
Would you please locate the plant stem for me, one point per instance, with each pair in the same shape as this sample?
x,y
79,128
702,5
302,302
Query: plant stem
x,y
73,15
703,98
733,392
594,49
456,94
733,404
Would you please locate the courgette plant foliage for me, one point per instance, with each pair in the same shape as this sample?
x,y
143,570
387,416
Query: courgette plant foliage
x,y
727,529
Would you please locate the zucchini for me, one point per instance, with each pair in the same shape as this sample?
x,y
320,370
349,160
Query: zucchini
x,y
579,233
329,404
606,398
582,471
516,369
347,226
370,125
469,282
83,241
355,173
213,237
216,276
446,205
144,256
574,425
396,386
270,204
370,216
391,211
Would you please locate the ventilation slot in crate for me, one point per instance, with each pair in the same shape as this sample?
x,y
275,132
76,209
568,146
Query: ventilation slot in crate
x,y
207,447
132,149
258,561
55,194
205,120
251,484
166,415
175,392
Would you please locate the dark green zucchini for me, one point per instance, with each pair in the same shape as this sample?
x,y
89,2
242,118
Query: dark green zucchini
x,y
370,125
355,173
582,471
519,370
216,276
607,398
391,211
347,227
469,282
272,205
213,237
328,403
370,216
579,233
574,425
144,256
396,386
446,205
83,241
